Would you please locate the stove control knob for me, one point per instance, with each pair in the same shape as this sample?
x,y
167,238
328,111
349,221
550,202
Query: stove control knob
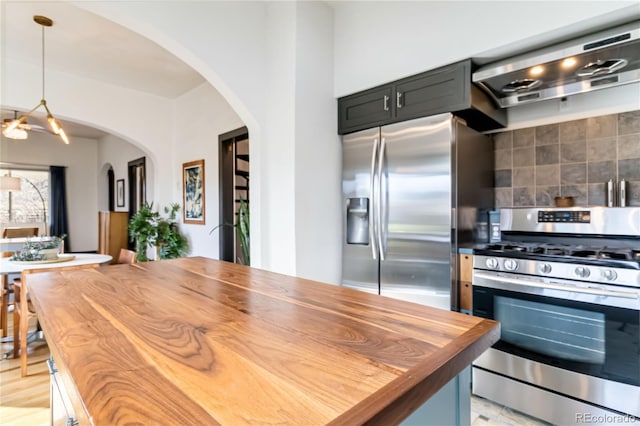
x,y
510,265
582,272
545,268
492,263
609,275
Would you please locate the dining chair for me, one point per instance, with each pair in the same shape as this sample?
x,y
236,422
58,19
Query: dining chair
x,y
6,288
23,310
4,305
127,256
22,232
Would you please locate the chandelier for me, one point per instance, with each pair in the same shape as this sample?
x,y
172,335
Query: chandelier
x,y
9,131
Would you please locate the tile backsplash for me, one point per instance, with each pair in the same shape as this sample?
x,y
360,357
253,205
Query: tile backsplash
x,y
574,158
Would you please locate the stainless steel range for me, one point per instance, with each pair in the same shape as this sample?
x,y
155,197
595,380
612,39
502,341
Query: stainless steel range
x,y
565,285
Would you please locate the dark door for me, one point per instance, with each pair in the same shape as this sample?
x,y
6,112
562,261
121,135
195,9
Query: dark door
x,y
137,188
234,190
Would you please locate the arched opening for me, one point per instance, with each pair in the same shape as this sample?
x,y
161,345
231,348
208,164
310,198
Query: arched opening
x,y
158,129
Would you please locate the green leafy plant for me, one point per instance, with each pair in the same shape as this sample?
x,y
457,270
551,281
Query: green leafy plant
x,y
149,228
243,227
32,250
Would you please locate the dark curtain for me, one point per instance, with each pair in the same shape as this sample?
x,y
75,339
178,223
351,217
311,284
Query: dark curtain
x,y
58,205
112,197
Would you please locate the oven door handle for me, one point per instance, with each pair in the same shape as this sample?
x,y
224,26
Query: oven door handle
x,y
591,290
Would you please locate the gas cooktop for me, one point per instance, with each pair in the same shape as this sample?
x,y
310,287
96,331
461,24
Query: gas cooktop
x,y
583,251
622,257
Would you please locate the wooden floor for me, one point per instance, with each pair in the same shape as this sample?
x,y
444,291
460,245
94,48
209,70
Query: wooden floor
x,y
24,401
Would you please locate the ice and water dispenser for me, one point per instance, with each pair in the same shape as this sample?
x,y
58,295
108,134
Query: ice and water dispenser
x,y
358,221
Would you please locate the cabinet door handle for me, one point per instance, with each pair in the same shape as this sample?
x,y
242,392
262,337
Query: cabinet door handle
x,y
386,103
399,100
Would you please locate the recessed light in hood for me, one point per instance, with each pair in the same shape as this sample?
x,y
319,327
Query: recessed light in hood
x,y
606,59
569,63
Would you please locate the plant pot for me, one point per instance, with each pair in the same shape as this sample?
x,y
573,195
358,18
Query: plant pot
x,y
152,252
50,254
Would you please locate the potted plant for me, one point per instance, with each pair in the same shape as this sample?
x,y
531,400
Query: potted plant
x,y
243,227
40,250
150,229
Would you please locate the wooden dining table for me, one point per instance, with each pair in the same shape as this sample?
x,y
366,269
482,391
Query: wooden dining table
x,y
197,341
8,266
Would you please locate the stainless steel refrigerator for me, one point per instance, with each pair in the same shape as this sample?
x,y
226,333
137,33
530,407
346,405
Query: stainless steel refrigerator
x,y
413,191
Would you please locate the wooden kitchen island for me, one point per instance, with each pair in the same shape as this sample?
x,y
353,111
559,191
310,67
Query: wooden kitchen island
x,y
196,341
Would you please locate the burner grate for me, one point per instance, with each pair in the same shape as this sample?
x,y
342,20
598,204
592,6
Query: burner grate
x,y
585,253
619,254
557,251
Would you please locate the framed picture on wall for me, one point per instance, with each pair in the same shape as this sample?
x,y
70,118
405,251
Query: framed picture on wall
x,y
120,193
193,192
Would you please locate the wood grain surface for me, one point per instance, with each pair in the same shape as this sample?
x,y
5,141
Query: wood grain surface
x,y
196,341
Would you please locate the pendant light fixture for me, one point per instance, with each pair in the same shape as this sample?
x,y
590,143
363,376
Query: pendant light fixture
x,y
43,21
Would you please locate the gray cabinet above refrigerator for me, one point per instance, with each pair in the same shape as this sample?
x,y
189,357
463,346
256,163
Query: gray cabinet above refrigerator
x,y
445,89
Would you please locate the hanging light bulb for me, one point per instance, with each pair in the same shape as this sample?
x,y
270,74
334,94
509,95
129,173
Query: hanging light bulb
x,y
55,126
63,136
14,124
15,133
15,129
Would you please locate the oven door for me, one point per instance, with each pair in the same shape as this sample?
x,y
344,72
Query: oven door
x,y
590,329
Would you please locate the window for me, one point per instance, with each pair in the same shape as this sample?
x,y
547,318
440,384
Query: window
x,y
30,205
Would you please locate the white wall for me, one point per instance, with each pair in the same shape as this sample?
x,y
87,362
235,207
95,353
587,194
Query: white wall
x,y
203,115
278,176
80,159
318,148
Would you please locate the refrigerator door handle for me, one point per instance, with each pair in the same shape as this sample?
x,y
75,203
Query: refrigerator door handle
x,y
372,207
380,199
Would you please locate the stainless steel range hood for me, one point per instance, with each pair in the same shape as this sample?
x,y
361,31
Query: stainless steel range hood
x,y
606,59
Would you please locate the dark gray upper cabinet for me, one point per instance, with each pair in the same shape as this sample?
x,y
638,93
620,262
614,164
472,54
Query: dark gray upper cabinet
x,y
446,89
433,92
373,107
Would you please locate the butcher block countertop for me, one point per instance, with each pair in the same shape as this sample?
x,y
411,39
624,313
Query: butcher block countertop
x,y
196,341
